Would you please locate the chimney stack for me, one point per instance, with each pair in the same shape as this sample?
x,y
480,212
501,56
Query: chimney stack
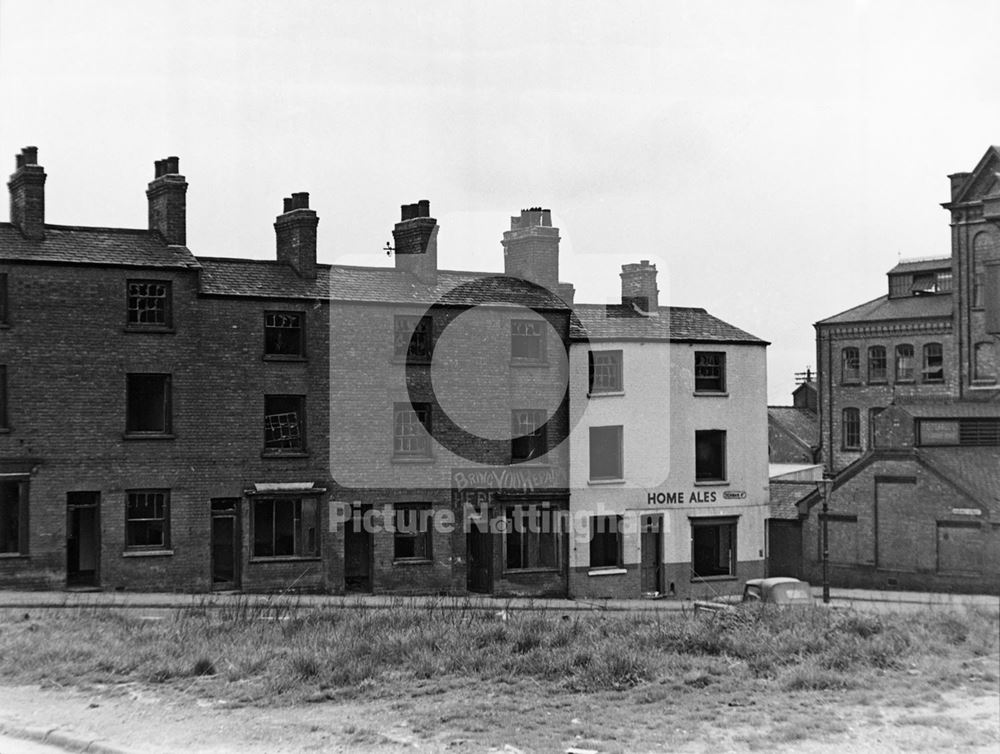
x,y
415,241
27,195
167,203
957,181
531,248
295,229
639,286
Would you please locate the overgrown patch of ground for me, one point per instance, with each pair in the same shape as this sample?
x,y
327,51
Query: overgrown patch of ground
x,y
450,676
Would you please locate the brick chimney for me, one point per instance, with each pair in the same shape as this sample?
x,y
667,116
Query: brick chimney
x,y
415,240
27,195
531,248
639,286
957,180
167,204
295,230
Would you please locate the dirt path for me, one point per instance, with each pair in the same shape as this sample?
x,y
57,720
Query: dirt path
x,y
454,716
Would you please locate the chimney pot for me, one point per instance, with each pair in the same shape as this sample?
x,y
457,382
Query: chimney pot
x,y
171,166
30,155
424,208
300,200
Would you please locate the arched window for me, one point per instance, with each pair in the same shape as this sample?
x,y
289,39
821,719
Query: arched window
x,y
933,370
877,367
985,364
850,365
984,248
904,363
851,429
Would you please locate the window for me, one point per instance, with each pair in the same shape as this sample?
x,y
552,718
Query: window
x,y
872,415
983,248
411,429
933,363
149,303
531,537
606,453
925,283
147,404
713,547
605,369
710,455
605,541
283,334
850,365
3,298
13,517
527,340
904,363
851,429
527,435
3,397
286,527
984,365
961,547
878,367
413,338
899,285
709,372
412,538
284,424
146,520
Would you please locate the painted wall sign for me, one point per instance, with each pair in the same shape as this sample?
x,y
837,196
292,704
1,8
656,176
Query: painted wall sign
x,y
681,498
966,511
734,495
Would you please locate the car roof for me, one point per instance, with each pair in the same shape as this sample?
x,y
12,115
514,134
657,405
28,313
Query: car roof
x,y
773,581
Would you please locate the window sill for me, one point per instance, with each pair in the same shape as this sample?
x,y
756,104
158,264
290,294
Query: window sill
x,y
518,571
711,394
286,359
611,482
413,562
147,553
414,459
285,558
984,385
148,436
607,394
712,483
607,572
159,330
284,454
696,579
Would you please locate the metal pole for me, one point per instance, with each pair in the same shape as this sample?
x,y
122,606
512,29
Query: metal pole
x,y
826,542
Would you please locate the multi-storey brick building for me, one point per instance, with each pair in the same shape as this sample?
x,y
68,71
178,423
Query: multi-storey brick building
x,y
669,448
168,421
910,414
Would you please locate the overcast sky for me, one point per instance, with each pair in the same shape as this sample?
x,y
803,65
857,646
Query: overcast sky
x,y
774,159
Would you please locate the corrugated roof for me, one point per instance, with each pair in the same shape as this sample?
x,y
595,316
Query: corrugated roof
x,y
921,265
263,278
620,322
802,423
884,308
109,246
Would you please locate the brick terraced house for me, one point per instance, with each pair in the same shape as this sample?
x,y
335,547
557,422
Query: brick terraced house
x,y
669,467
909,404
173,422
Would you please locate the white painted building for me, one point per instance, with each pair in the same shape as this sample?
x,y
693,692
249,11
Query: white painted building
x,y
668,459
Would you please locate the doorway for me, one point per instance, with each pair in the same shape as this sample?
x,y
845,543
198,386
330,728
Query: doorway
x,y
225,543
358,551
479,557
652,553
83,538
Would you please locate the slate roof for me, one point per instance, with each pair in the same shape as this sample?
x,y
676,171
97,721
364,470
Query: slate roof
x,y
976,470
105,246
883,308
272,279
921,265
786,495
801,423
675,323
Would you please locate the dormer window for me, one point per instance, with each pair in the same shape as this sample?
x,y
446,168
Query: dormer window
x,y
928,283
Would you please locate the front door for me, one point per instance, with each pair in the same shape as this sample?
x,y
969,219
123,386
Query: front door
x,y
479,557
83,538
225,543
652,553
358,553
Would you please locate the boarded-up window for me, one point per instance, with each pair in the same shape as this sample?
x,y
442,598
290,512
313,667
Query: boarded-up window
x,y
959,547
904,541
842,532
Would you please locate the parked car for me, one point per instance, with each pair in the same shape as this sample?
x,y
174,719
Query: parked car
x,y
777,590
